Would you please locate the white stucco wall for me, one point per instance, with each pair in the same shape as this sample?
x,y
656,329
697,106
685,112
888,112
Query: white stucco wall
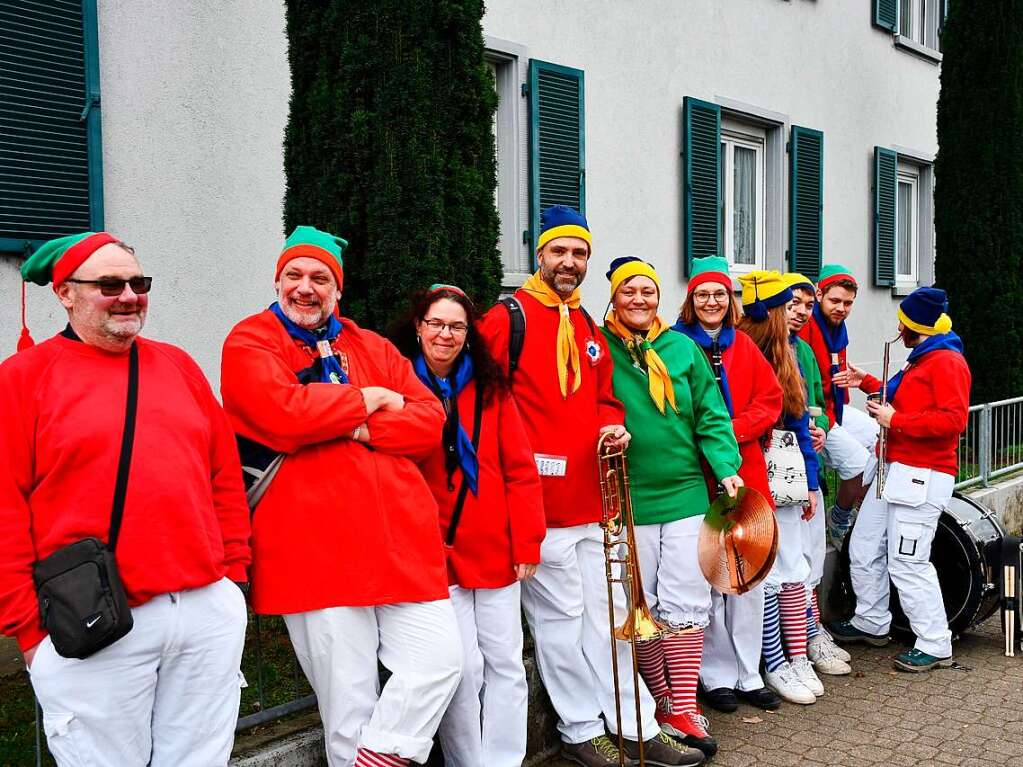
x,y
194,104
822,64
195,100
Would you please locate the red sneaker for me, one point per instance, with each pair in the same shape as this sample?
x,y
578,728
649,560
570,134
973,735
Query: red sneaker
x,y
690,728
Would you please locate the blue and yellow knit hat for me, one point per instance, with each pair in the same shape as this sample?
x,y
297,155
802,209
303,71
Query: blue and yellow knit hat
x,y
625,267
925,311
796,280
762,291
563,221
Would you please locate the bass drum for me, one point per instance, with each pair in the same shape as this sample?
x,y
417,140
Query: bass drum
x,y
966,553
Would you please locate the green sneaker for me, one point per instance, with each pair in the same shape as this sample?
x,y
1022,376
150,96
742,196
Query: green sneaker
x,y
844,632
916,661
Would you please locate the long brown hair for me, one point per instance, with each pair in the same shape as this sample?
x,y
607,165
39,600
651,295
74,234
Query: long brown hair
x,y
772,337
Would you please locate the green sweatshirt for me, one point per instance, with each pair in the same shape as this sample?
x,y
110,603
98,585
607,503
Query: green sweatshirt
x,y
665,475
814,386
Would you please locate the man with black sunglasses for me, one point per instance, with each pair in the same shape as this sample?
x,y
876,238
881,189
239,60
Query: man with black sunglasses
x,y
184,525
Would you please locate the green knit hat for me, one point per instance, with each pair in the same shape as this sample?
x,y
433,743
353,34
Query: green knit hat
x,y
310,242
57,259
708,269
831,273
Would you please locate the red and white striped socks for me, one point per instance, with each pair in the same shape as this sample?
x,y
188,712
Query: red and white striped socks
x,y
650,656
683,652
367,758
792,602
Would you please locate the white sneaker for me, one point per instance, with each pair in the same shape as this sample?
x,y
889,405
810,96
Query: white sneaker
x,y
825,661
805,674
785,682
837,650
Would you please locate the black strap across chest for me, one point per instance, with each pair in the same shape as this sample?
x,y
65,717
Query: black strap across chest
x,y
477,426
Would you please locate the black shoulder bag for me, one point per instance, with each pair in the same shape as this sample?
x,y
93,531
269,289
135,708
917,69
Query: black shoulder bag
x,y
82,603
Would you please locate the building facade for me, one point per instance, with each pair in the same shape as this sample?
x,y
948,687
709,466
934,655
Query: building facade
x,y
780,133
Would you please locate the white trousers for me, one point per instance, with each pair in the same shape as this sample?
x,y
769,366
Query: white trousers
x,y
566,607
892,537
732,641
493,687
676,590
849,445
790,566
815,543
338,649
166,694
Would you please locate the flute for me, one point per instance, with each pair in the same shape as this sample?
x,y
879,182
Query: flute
x,y
882,437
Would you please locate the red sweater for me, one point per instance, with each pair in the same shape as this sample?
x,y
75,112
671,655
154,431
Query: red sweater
x,y
566,427
185,522
931,408
756,399
342,523
504,525
811,333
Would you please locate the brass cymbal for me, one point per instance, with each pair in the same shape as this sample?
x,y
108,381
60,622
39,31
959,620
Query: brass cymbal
x,y
738,541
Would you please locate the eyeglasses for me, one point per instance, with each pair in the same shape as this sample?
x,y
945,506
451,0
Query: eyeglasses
x,y
703,297
111,286
456,328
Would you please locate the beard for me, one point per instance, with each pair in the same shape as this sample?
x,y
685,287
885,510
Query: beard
x,y
562,281
308,317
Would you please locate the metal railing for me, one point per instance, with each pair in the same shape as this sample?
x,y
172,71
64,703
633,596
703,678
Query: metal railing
x,y
992,445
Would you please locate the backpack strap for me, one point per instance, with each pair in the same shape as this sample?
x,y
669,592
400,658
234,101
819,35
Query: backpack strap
x,y
516,332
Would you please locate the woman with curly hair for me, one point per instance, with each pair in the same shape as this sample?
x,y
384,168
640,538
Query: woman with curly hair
x,y
765,297
491,516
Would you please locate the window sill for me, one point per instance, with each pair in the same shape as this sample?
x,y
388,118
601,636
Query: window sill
x,y
918,49
512,281
903,289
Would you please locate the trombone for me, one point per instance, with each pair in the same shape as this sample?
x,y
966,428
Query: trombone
x,y
639,624
882,436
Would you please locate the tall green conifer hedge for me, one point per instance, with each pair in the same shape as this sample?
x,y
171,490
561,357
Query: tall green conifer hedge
x,y
389,145
978,196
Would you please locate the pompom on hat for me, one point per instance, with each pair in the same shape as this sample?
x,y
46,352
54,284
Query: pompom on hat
x,y
832,273
310,242
796,280
708,269
761,292
925,311
625,267
563,221
55,261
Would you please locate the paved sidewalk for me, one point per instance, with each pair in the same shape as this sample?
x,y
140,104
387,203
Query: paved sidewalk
x,y
971,715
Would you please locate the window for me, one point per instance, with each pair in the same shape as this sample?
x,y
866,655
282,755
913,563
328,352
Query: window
x,y
907,222
916,24
903,219
51,180
510,148
742,200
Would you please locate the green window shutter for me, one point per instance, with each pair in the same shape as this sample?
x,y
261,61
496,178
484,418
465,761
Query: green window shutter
x,y
557,151
886,163
806,200
701,193
50,155
886,14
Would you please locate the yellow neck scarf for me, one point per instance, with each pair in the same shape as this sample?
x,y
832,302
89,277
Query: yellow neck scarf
x,y
568,352
642,348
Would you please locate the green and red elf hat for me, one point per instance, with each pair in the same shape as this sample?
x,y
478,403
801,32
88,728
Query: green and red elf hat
x,y
708,269
832,273
310,242
55,261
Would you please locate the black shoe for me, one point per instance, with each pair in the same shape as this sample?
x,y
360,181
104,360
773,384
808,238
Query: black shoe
x,y
762,698
721,699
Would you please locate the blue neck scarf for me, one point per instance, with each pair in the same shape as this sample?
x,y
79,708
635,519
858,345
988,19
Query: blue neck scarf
x,y
458,449
705,342
931,344
330,368
835,340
